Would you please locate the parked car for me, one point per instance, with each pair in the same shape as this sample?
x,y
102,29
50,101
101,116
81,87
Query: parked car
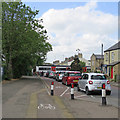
x,y
51,74
46,74
71,77
59,76
54,76
91,82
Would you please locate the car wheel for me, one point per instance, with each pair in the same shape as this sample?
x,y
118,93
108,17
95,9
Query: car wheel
x,y
78,89
108,92
87,91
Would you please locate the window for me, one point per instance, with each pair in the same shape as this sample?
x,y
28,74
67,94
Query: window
x,y
112,56
98,77
106,56
74,74
85,76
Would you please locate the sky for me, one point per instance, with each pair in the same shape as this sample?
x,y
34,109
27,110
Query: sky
x,y
78,25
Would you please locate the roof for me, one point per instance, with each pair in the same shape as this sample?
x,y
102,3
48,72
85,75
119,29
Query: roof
x,y
114,47
99,56
114,63
94,73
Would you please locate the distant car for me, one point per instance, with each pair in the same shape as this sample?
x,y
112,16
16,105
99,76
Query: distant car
x,y
71,77
59,76
91,82
51,74
54,76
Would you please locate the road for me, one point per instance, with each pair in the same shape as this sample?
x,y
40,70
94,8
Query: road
x,y
30,97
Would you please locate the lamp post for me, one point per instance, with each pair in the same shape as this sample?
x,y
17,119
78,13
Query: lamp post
x,y
78,50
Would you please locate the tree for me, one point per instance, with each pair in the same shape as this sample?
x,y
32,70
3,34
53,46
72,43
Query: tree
x,y
77,65
24,39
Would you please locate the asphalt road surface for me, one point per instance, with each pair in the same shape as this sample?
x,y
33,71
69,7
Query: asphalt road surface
x,y
30,97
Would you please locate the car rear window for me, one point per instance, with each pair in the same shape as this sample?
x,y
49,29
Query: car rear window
x,y
98,77
74,74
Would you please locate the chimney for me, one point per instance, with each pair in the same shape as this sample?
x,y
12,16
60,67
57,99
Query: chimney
x,y
102,50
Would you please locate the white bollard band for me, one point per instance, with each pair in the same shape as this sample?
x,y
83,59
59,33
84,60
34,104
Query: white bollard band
x,y
72,90
103,93
52,87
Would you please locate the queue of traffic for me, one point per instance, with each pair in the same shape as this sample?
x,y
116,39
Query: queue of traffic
x,y
88,82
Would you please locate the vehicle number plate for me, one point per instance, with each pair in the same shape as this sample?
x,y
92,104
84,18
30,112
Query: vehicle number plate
x,y
99,87
75,80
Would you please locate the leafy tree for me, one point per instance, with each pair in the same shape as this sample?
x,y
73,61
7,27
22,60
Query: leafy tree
x,y
77,65
24,39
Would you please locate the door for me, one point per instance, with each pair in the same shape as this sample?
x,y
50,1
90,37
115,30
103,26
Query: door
x,y
112,72
85,79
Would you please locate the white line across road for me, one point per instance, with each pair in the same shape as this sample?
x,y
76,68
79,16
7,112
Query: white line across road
x,y
80,96
92,96
64,91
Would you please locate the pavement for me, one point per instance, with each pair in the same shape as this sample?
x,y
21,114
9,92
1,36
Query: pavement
x,y
116,84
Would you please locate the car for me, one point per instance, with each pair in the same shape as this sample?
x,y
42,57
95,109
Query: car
x,y
51,74
71,77
54,76
92,82
59,76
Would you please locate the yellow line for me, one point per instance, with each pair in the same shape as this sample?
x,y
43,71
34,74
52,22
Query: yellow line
x,y
33,106
61,105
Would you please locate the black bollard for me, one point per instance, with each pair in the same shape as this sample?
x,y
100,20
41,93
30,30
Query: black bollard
x,y
103,94
52,88
72,91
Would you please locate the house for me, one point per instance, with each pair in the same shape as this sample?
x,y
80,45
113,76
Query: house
x,y
97,61
69,60
57,62
112,61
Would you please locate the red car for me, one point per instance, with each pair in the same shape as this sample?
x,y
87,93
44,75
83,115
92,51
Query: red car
x,y
71,77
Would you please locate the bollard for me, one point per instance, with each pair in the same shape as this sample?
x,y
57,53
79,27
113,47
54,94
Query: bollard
x,y
103,94
52,88
72,91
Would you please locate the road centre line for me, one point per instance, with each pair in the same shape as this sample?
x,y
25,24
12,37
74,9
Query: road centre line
x,y
64,91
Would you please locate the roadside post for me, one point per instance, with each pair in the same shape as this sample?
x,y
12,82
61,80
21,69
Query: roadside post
x,y
72,91
52,88
103,94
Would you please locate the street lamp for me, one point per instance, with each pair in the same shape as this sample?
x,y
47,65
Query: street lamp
x,y
78,50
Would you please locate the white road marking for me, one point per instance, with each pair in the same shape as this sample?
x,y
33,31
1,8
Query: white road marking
x,y
64,91
92,96
58,87
80,96
47,90
70,92
46,106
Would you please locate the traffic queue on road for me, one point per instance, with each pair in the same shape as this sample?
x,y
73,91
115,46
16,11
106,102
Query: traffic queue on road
x,y
88,82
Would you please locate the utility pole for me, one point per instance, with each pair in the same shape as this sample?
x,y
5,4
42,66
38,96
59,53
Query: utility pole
x,y
102,58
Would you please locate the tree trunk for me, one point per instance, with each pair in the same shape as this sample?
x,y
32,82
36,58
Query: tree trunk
x,y
10,72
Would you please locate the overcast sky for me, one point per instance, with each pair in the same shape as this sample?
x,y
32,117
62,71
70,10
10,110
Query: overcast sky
x,y
84,25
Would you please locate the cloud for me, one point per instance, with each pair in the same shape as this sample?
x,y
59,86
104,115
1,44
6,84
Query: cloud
x,y
82,27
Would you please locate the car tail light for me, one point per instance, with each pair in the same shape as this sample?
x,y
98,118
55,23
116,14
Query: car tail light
x,y
59,74
108,82
68,78
90,82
